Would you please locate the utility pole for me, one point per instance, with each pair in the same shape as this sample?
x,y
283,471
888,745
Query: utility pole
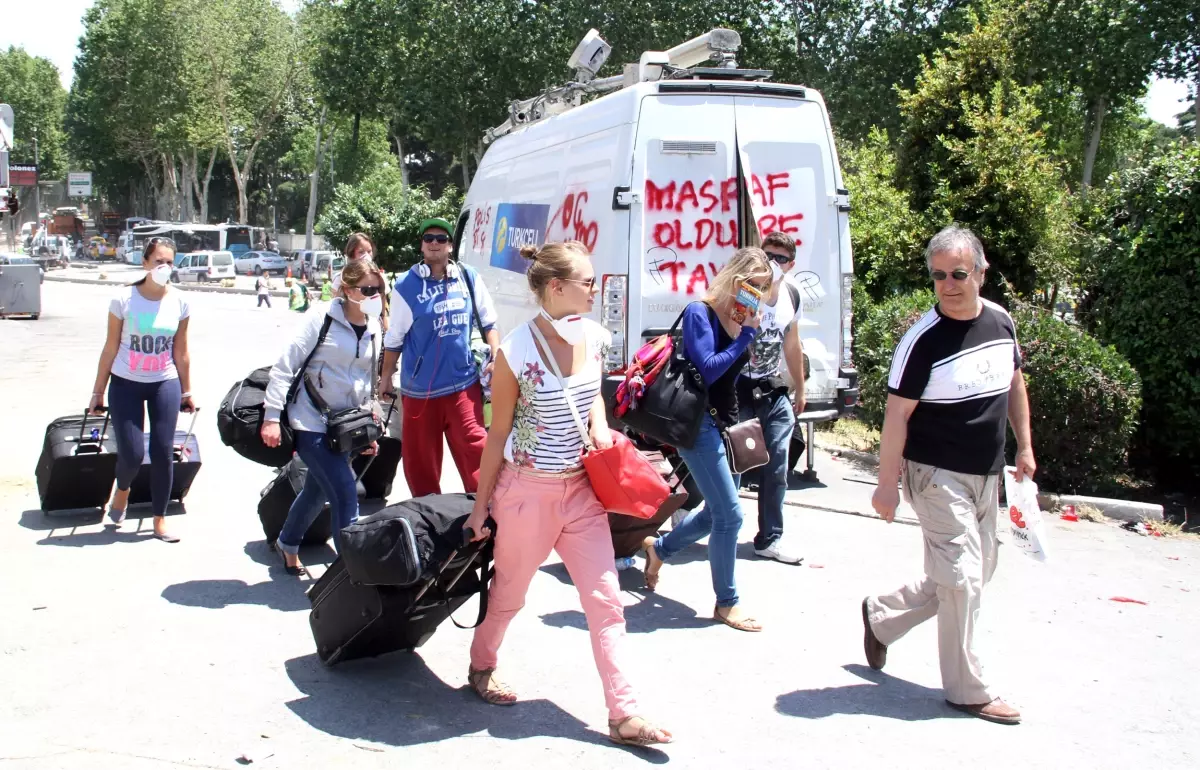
x,y
37,184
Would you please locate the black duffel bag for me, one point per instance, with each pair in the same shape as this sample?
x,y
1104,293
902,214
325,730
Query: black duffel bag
x,y
405,543
240,417
673,407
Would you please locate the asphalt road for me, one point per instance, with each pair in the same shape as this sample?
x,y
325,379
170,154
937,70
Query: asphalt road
x,y
120,651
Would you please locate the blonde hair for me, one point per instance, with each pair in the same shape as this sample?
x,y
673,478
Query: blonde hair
x,y
552,260
748,264
355,270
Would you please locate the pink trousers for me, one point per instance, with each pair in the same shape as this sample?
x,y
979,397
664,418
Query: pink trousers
x,y
534,515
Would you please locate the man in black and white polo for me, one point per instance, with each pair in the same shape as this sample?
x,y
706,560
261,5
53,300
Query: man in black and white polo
x,y
955,378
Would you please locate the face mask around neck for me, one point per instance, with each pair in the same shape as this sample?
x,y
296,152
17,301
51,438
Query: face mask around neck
x,y
570,327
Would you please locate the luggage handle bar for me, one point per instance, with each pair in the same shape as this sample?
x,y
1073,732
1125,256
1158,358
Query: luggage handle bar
x,y
88,447
467,533
371,461
180,450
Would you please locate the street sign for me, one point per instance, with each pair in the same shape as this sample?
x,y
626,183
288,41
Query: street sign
x,y
6,127
22,175
79,184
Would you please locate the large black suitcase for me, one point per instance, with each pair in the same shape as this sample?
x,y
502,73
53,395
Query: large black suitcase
x,y
351,621
377,472
186,457
78,464
277,499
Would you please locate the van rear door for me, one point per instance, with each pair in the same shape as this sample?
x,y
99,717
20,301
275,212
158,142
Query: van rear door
x,y
686,227
786,153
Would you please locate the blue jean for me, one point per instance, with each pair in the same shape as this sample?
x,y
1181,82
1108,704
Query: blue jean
x,y
329,478
778,421
720,517
129,402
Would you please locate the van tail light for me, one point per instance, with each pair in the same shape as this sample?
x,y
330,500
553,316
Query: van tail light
x,y
847,317
614,301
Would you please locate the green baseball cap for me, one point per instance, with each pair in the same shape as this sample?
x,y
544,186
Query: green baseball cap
x,y
436,222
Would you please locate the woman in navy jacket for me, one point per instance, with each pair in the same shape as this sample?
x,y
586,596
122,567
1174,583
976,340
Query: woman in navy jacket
x,y
719,347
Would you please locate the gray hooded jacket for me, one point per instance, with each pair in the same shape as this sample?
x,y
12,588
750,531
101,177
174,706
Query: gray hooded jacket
x,y
341,369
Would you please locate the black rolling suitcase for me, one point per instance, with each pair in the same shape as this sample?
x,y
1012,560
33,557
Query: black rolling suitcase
x,y
377,472
277,499
628,532
185,455
78,464
351,621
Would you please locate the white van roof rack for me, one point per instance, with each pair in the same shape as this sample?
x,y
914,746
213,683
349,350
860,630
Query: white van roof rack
x,y
719,46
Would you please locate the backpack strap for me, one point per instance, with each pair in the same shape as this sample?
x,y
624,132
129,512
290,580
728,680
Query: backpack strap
x,y
298,377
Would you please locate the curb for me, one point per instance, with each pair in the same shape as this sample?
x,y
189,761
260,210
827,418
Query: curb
x,y
1122,510
182,286
748,495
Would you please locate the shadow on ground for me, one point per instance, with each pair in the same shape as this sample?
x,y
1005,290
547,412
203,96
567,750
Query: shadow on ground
x,y
880,695
62,529
396,700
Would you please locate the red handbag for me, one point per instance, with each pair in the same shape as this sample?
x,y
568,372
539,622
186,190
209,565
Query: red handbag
x,y
623,479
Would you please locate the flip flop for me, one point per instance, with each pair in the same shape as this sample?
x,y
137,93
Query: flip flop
x,y
741,625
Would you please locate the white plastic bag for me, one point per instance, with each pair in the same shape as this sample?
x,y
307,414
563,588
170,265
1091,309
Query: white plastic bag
x,y
1026,527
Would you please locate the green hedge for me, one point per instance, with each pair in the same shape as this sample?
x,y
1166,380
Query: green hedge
x,y
1146,302
1084,397
1084,402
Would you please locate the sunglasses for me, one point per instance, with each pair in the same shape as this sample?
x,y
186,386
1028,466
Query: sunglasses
x,y
782,259
589,283
958,275
430,238
368,291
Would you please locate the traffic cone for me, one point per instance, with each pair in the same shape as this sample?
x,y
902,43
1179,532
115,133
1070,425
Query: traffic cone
x,y
289,273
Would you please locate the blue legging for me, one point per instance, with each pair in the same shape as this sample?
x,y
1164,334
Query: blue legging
x,y
129,401
330,479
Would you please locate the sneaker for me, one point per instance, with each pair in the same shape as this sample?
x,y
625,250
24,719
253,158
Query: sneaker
x,y
778,552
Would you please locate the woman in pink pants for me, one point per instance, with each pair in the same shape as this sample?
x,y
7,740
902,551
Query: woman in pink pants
x,y
539,495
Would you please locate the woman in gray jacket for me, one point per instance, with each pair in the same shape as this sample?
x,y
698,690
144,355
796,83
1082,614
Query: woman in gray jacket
x,y
342,371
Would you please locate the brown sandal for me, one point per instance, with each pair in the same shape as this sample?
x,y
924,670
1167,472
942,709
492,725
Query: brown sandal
x,y
651,558
489,688
647,734
745,624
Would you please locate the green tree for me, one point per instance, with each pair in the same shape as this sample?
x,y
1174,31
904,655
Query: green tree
x,y
972,151
30,85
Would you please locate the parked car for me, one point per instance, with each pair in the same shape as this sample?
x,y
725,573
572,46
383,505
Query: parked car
x,y
201,266
21,259
260,262
326,263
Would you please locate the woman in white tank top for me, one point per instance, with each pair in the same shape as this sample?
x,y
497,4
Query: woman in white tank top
x,y
532,478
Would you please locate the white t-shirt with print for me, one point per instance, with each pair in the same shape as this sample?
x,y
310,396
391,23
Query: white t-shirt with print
x,y
766,354
544,435
147,352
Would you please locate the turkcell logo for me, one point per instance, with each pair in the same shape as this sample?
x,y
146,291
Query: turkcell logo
x,y
517,225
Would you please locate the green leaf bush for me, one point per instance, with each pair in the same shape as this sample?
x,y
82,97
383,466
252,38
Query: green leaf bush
x,y
1084,397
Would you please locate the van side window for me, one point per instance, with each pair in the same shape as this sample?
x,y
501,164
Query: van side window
x,y
200,261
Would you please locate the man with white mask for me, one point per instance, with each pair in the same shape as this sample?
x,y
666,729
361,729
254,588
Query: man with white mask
x,y
433,308
763,393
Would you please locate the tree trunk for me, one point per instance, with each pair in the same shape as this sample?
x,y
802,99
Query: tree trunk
x,y
310,220
202,193
354,138
404,180
1098,111
466,166
1196,105
187,163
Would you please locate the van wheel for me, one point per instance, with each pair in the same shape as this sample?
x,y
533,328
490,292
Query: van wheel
x,y
174,277
258,270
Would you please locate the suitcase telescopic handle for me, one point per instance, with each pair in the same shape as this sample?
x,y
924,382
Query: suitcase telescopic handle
x,y
191,429
83,425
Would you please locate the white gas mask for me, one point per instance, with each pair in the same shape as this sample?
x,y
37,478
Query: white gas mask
x,y
571,327
160,274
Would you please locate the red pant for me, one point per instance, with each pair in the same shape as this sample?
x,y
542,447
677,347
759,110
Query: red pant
x,y
459,417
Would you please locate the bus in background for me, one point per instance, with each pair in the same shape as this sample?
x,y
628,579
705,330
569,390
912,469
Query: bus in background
x,y
238,239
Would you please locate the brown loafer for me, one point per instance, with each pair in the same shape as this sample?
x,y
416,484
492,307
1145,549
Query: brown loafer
x,y
876,650
996,711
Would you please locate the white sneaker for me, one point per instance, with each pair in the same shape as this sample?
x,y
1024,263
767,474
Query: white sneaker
x,y
780,553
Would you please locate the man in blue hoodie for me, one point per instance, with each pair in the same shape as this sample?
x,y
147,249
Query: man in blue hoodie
x,y
433,311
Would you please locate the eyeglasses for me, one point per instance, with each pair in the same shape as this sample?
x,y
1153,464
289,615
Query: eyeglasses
x,y
368,291
431,238
589,283
782,259
958,275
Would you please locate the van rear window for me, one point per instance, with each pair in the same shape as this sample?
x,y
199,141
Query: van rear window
x,y
222,260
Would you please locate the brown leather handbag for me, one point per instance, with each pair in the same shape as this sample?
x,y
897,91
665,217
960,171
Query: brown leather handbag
x,y
745,445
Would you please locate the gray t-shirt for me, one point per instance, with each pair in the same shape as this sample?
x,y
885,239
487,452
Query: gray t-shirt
x,y
147,352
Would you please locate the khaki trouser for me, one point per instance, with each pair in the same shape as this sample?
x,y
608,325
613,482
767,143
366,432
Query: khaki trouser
x,y
958,519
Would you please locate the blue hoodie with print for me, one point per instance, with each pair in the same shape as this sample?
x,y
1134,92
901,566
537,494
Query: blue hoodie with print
x,y
430,326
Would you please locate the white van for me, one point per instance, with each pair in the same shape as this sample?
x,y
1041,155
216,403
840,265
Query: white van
x,y
201,266
663,179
